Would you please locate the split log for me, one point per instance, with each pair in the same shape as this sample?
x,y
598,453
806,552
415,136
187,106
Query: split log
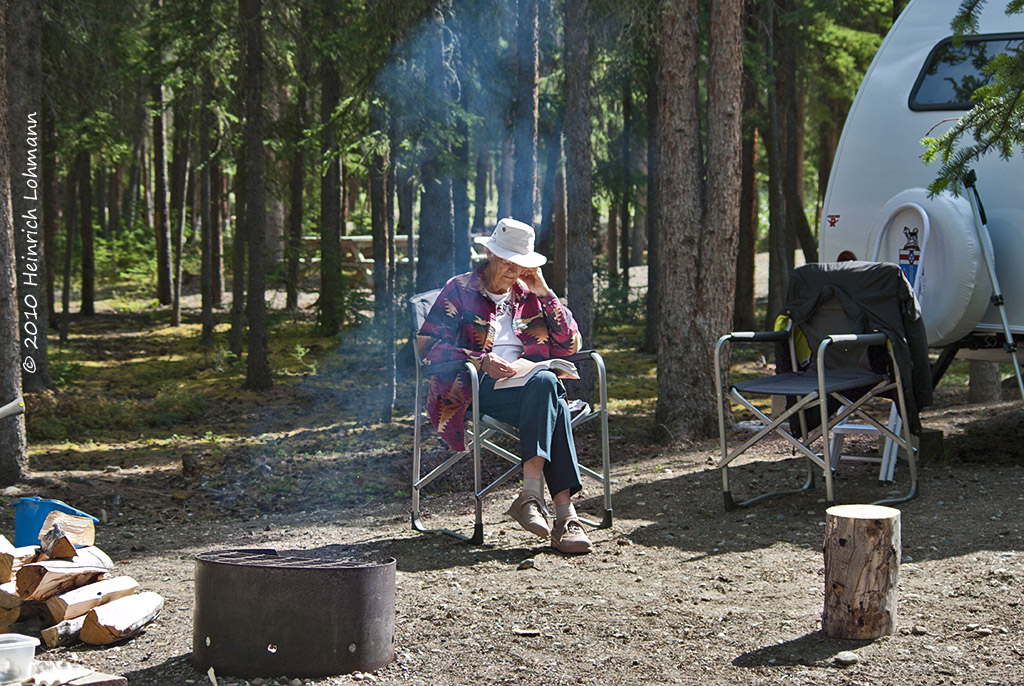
x,y
63,634
80,530
13,559
862,565
40,580
121,618
91,555
9,598
56,545
78,601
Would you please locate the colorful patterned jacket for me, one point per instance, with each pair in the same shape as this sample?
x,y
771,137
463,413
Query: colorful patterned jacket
x,y
460,327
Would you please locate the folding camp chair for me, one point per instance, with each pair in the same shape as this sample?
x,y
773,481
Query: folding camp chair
x,y
482,430
852,334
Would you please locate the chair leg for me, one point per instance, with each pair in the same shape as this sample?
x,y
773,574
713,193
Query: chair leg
x,y
417,525
478,526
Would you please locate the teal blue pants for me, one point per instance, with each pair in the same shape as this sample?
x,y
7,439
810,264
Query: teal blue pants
x,y
541,413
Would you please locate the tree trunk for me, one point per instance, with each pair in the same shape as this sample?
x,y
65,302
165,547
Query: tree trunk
x,y
527,45
545,232
236,336
406,198
179,231
983,382
378,220
460,197
331,285
275,213
70,229
625,173
257,376
390,315
114,202
177,168
698,255
652,304
130,200
483,168
52,214
28,194
101,199
206,208
793,176
578,190
13,451
85,227
506,177
828,141
146,193
297,169
743,314
778,258
611,245
218,220
162,218
351,186
559,267
437,227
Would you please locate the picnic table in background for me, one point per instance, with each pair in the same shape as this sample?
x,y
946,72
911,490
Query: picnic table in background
x,y
357,254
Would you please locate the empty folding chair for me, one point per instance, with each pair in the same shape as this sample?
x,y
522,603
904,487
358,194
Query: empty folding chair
x,y
852,334
482,430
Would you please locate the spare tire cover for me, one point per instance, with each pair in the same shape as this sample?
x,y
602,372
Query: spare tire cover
x,y
954,287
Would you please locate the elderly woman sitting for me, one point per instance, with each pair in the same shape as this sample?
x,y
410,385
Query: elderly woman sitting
x,y
492,316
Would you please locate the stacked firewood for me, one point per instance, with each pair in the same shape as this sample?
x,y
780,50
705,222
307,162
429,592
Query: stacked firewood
x,y
64,589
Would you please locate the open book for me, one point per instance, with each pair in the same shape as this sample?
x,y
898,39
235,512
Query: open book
x,y
525,369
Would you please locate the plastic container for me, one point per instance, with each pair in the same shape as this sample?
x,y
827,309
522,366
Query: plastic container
x,y
16,653
30,515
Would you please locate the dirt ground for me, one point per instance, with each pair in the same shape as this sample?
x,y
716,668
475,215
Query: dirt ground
x,y
676,591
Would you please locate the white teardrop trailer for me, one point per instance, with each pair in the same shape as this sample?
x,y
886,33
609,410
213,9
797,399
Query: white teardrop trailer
x,y
877,206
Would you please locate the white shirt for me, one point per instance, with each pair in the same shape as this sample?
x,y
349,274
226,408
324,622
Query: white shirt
x,y
507,345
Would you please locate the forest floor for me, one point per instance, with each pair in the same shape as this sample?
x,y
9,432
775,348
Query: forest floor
x,y
676,591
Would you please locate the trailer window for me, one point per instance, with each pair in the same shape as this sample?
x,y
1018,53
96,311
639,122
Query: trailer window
x,y
952,73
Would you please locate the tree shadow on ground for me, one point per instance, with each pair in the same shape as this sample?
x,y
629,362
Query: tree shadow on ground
x,y
807,650
688,511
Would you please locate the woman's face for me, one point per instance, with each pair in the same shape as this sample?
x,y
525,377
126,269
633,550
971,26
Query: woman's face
x,y
503,274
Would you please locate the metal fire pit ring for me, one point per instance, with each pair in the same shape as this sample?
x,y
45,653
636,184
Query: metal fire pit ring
x,y
258,613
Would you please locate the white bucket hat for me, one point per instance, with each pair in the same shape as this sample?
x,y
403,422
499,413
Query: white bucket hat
x,y
512,240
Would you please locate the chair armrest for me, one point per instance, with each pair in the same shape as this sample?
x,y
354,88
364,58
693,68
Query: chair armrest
x,y
581,356
757,336
858,338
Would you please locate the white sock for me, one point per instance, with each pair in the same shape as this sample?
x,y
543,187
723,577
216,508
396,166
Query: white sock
x,y
564,512
533,486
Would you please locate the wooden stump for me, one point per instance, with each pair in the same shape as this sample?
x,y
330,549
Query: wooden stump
x,y
862,566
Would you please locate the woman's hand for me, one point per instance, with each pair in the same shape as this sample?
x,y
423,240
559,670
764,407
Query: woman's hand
x,y
534,280
493,365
